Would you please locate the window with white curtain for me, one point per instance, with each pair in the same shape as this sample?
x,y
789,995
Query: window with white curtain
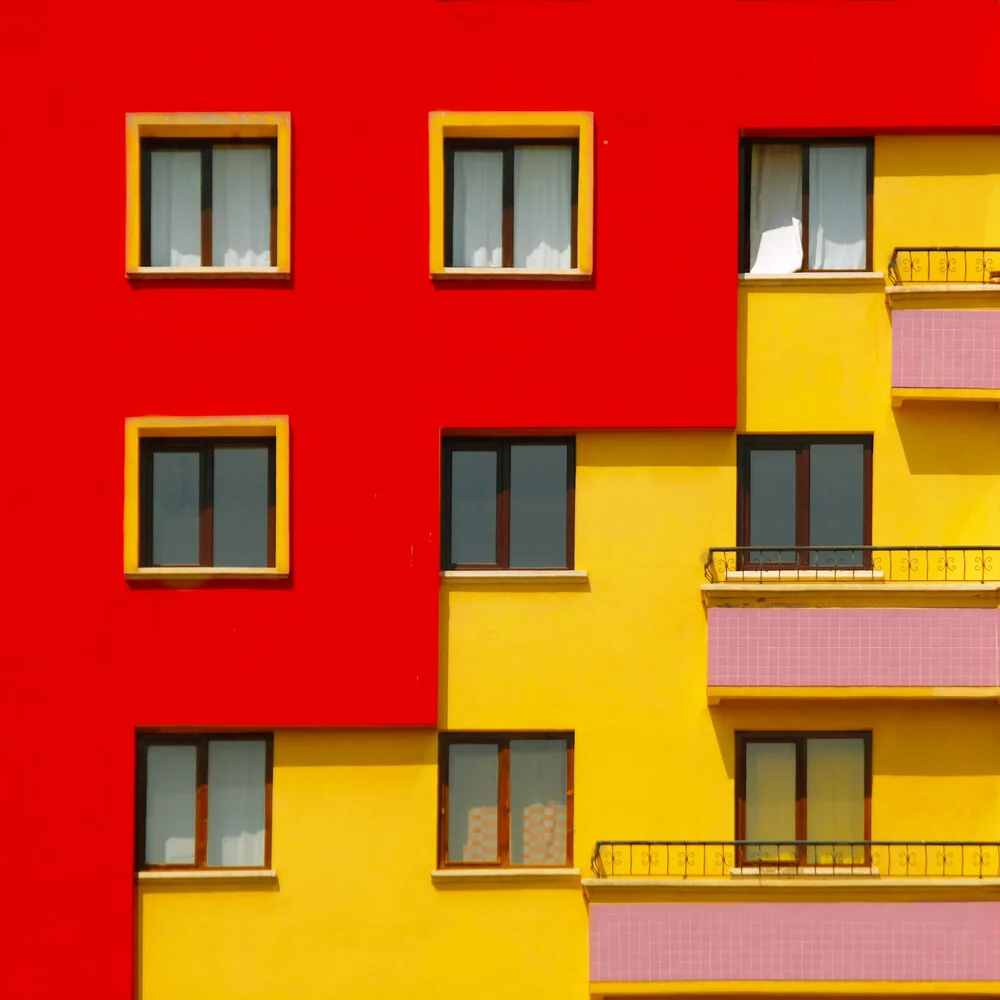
x,y
511,205
208,203
807,205
204,801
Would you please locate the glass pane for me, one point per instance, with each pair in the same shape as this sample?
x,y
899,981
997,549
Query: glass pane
x,y
240,507
241,207
835,799
538,505
473,782
836,501
772,504
538,802
474,507
770,801
171,783
838,208
775,209
477,209
175,508
175,208
543,207
236,771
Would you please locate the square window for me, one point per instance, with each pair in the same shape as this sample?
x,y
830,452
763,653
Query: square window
x,y
506,800
806,205
208,195
206,497
203,801
511,194
508,503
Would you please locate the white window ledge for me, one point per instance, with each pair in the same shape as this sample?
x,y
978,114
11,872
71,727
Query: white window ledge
x,y
805,871
804,575
797,279
206,573
247,273
211,875
513,273
505,876
515,575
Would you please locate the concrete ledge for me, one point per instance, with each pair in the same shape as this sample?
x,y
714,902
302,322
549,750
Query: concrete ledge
x,y
473,877
839,279
210,875
899,396
514,575
811,988
718,694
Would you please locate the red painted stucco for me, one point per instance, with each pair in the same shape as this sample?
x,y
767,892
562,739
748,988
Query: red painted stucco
x,y
367,356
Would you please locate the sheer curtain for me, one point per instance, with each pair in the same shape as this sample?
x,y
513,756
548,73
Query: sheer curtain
x,y
236,770
543,180
775,209
838,209
835,797
175,208
241,208
770,800
477,209
171,780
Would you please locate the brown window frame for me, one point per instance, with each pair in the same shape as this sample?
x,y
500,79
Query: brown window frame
x,y
507,147
799,738
502,446
746,160
205,146
503,741
800,443
200,741
205,446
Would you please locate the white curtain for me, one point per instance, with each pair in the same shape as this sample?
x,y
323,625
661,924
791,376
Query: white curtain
x,y
838,211
543,180
477,209
236,772
770,799
175,208
835,797
241,207
775,209
171,779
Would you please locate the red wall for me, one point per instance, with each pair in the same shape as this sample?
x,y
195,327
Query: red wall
x,y
366,355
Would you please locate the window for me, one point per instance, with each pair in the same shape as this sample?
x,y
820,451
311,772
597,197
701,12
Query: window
x,y
208,195
806,205
203,801
508,503
804,786
511,194
799,491
506,800
206,496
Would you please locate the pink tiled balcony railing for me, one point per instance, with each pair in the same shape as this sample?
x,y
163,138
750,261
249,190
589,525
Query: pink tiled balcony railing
x,y
946,349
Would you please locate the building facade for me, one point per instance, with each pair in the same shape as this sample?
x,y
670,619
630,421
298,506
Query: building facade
x,y
534,479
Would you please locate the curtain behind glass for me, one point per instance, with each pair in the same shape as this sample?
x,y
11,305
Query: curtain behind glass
x,y
838,209
543,195
770,800
241,208
775,209
175,208
473,790
835,799
171,782
537,802
477,209
236,773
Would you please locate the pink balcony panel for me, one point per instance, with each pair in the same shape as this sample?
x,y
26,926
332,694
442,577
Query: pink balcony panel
x,y
945,349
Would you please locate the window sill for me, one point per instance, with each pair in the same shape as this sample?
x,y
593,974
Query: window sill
x,y
505,876
206,573
899,396
210,875
247,273
980,290
514,575
840,279
512,274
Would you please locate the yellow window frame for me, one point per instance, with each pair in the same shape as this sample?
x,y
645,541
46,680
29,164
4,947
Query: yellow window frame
x,y
232,125
137,428
577,125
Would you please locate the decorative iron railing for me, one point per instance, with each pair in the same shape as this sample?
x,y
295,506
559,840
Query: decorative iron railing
x,y
857,563
945,265
685,859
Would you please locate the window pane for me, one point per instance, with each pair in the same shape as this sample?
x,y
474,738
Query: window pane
x,y
838,207
240,507
473,781
775,209
835,799
836,501
538,802
543,206
241,207
175,508
474,507
171,783
538,505
175,208
770,800
477,209
772,503
236,771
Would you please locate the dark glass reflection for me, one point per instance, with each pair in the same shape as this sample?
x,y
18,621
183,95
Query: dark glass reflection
x,y
772,504
175,508
538,505
836,501
240,506
473,508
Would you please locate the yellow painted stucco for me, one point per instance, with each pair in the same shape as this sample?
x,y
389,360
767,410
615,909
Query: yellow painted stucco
x,y
621,660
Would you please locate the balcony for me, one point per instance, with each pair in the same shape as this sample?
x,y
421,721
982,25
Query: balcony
x,y
944,266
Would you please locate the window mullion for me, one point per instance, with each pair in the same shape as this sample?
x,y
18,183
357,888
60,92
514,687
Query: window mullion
x,y
206,499
508,206
503,805
805,206
201,806
503,506
801,786
206,206
802,501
